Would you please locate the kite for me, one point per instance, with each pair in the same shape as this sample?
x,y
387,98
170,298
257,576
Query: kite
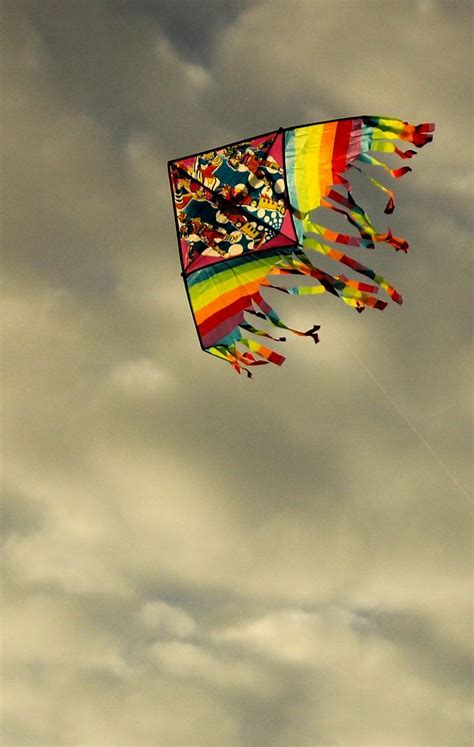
x,y
243,215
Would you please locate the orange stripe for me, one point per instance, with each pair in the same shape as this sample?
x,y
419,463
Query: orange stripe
x,y
325,156
246,290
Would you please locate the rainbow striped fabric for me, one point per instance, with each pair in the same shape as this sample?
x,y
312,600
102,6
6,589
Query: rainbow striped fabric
x,y
243,218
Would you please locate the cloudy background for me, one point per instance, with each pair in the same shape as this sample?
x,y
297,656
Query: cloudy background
x,y
192,558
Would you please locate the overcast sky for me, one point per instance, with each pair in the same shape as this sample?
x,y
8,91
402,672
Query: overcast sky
x,y
193,559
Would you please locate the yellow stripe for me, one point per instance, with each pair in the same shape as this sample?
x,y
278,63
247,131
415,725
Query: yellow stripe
x,y
206,292
307,148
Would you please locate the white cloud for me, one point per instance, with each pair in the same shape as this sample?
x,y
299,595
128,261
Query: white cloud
x,y
167,619
198,75
140,377
194,663
298,637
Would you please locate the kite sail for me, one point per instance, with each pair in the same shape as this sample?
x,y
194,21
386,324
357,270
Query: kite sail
x,y
243,218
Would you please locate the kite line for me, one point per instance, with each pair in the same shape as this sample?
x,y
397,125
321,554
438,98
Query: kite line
x,y
414,429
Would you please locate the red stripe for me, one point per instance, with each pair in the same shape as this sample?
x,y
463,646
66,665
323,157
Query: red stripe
x,y
212,321
366,288
341,145
397,173
276,358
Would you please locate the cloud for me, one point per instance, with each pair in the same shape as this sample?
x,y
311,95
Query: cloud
x,y
193,663
360,684
294,636
167,620
138,377
191,558
59,633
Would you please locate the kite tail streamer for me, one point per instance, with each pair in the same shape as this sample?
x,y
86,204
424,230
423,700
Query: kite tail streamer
x,y
351,292
318,156
310,243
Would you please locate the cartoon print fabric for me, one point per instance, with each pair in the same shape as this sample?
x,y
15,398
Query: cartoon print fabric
x,y
230,201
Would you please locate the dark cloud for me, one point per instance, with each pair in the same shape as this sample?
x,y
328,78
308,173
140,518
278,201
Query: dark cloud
x,y
19,516
193,28
427,649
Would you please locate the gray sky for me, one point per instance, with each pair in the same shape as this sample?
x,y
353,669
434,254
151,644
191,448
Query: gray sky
x,y
193,559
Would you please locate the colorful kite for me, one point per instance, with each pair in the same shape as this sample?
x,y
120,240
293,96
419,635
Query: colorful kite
x,y
243,217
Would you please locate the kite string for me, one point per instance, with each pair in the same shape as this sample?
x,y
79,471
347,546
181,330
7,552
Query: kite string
x,y
415,430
